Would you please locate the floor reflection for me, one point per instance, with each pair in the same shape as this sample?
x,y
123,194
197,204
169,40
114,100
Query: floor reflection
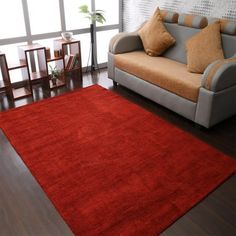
x,y
73,82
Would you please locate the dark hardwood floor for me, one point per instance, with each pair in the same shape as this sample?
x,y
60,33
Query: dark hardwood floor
x,y
24,207
26,210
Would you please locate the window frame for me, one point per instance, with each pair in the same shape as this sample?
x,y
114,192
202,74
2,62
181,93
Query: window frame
x,y
29,38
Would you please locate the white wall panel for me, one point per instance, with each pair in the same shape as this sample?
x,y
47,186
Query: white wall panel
x,y
137,11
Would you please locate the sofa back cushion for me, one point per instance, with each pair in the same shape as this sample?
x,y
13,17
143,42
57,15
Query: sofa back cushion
x,y
227,26
169,16
198,22
183,33
229,45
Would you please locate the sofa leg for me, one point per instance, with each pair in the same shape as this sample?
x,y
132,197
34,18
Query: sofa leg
x,y
114,83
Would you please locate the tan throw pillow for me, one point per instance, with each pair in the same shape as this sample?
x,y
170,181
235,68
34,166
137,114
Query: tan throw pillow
x,y
156,39
204,48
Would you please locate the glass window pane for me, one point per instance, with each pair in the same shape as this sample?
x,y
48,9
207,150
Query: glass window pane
x,y
111,11
85,47
11,52
48,43
103,40
74,19
11,19
44,16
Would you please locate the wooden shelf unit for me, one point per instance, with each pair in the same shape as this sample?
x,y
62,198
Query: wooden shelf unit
x,y
33,64
38,75
5,83
70,49
21,93
35,57
58,62
17,65
60,83
26,89
53,58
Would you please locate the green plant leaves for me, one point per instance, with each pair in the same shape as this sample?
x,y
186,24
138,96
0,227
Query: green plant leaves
x,y
55,72
84,9
96,16
100,18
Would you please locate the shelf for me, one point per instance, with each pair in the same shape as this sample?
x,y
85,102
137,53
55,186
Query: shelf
x,y
60,83
21,92
38,75
34,57
62,41
74,69
31,47
70,48
3,84
17,65
54,59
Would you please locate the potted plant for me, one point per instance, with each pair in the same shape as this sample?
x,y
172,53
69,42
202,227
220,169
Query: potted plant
x,y
55,74
93,16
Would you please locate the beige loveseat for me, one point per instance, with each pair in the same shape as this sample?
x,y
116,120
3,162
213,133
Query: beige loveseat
x,y
203,98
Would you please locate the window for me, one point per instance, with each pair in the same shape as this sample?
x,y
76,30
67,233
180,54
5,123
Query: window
x,y
42,21
85,47
11,52
111,11
12,22
103,39
44,16
75,20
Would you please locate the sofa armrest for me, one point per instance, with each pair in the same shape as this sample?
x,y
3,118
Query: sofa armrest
x,y
125,42
220,75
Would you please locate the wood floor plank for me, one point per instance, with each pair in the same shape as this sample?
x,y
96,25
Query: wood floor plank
x,y
213,216
24,207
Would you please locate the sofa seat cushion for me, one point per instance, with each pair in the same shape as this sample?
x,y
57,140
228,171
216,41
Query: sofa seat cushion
x,y
163,72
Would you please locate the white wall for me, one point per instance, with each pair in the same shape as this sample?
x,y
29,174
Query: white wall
x,y
137,11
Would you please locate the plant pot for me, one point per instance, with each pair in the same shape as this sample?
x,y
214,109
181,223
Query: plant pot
x,y
54,81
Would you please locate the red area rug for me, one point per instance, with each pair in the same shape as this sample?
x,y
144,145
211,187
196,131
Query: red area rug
x,y
110,167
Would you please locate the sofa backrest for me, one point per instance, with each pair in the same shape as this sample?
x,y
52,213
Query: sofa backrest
x,y
182,33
